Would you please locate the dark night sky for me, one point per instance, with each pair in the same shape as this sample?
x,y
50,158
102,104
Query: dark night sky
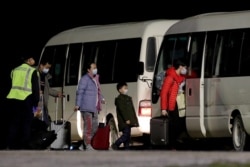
x,y
26,27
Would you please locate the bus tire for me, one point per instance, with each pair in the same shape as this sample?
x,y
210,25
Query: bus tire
x,y
113,135
240,137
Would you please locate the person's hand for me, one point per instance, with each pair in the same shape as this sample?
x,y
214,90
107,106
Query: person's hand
x,y
76,108
103,101
38,114
164,112
128,122
60,94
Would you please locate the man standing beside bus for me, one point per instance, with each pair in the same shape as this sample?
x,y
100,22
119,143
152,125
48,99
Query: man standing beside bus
x,y
23,96
88,101
46,90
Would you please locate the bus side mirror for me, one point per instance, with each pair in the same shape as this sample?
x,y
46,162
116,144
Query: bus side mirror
x,y
140,68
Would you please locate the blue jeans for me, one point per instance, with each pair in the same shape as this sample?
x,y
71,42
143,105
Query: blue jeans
x,y
125,138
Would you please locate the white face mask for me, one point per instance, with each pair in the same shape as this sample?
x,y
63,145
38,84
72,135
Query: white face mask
x,y
125,91
94,71
45,70
183,71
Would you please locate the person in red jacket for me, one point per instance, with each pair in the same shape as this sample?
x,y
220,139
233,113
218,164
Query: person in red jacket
x,y
175,75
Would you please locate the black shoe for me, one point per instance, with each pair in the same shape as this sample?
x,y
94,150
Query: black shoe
x,y
114,146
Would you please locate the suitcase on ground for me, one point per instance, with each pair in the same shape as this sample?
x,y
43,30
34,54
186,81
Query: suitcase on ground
x,y
100,140
41,137
63,131
41,140
159,131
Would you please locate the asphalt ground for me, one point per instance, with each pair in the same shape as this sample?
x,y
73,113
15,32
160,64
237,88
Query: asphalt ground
x,y
121,158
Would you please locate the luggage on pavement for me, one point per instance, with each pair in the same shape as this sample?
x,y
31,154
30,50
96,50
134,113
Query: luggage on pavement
x,y
41,140
63,130
100,140
41,137
159,131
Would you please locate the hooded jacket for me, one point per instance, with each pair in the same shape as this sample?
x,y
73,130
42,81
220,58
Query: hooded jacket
x,y
170,89
88,94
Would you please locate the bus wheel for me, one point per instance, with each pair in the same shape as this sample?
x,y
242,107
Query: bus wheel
x,y
113,135
239,135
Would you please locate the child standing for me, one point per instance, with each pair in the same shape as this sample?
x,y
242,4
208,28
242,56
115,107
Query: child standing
x,y
125,114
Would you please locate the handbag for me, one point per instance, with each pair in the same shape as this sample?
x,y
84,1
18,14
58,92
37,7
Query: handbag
x,y
181,104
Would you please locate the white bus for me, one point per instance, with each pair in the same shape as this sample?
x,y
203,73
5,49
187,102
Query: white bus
x,y
217,47
122,51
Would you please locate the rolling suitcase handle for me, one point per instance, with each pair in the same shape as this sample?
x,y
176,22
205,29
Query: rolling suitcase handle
x,y
64,121
42,106
62,109
104,121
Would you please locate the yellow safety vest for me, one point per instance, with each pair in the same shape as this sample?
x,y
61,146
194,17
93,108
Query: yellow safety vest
x,y
21,82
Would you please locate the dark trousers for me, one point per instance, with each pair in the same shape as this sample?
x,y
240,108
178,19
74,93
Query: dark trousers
x,y
176,127
125,138
20,116
4,124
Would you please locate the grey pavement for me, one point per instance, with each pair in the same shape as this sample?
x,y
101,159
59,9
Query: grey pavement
x,y
141,158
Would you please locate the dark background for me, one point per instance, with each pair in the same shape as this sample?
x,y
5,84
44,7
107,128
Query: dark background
x,y
27,26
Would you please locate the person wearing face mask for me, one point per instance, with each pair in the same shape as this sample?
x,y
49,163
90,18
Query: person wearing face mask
x,y
45,91
23,95
126,116
88,101
172,85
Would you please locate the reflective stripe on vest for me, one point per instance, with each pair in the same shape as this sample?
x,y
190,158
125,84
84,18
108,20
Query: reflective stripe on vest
x,y
21,82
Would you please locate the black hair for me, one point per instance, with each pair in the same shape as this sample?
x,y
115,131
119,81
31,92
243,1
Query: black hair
x,y
45,61
120,85
88,66
179,62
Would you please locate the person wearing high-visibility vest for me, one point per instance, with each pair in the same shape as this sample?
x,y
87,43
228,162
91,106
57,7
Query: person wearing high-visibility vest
x,y
22,97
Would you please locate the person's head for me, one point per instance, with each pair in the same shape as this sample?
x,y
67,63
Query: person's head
x,y
92,69
44,66
122,87
180,66
28,59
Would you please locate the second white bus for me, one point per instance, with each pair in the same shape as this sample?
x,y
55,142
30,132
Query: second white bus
x,y
217,47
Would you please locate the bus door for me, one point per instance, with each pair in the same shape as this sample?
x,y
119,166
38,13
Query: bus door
x,y
195,87
73,73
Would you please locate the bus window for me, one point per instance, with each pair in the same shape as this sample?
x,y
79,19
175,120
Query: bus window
x,y
245,55
214,52
172,48
231,52
151,54
126,60
73,60
103,54
196,51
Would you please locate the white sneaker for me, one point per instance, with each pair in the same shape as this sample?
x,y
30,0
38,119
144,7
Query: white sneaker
x,y
81,147
90,148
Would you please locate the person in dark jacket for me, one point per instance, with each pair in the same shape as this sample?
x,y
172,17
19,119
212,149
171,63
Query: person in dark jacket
x,y
126,116
23,95
175,77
